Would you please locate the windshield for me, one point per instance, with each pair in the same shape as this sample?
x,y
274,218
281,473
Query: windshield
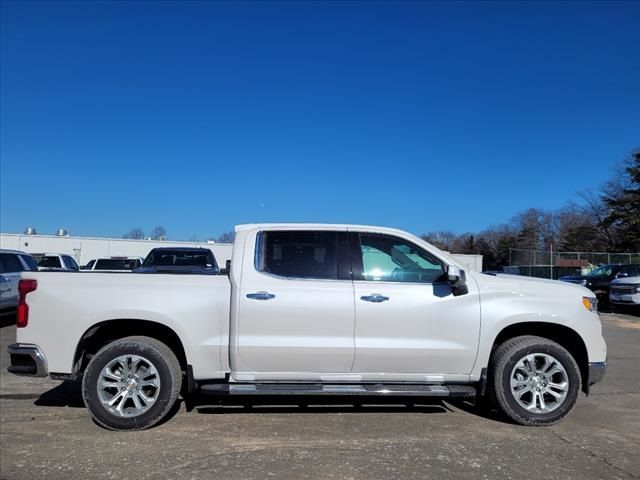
x,y
600,272
116,264
189,258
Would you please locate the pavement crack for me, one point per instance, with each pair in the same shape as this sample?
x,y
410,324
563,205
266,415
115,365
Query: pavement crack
x,y
593,454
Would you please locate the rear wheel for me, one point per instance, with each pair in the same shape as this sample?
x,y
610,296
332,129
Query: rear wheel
x,y
535,381
132,383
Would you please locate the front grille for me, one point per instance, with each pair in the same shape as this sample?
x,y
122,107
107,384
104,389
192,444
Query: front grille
x,y
623,289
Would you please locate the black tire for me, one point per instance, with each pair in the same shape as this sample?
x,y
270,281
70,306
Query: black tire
x,y
168,371
502,364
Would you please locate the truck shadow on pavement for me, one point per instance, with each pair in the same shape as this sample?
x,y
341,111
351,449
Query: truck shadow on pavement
x,y
69,394
312,404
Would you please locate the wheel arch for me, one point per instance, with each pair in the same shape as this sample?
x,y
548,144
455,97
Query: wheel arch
x,y
107,331
565,336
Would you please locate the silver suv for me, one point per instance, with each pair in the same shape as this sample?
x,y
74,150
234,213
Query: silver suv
x,y
625,291
12,263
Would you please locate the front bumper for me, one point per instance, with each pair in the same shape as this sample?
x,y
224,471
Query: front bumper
x,y
624,298
596,372
27,360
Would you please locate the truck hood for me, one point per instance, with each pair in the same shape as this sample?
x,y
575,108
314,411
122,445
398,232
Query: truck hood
x,y
530,287
571,278
626,280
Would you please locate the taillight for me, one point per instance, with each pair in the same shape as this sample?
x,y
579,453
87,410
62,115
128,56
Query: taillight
x,y
24,286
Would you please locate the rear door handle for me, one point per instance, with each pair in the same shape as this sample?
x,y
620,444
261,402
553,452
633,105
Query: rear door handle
x,y
375,298
261,296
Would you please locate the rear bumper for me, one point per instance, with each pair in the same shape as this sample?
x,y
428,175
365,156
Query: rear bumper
x,y
27,360
596,372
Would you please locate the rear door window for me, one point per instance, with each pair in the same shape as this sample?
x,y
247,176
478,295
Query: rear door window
x,y
299,254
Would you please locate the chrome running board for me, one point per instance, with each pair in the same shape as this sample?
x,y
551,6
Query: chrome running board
x,y
339,389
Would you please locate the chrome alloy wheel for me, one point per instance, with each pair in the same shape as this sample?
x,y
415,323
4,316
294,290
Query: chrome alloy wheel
x,y
128,385
539,383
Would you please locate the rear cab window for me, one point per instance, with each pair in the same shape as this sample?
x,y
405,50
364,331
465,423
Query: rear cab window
x,y
49,261
181,258
117,264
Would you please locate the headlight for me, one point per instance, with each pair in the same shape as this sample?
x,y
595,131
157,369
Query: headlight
x,y
638,289
590,303
583,281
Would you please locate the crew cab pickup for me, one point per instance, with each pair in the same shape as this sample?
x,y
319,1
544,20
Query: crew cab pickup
x,y
312,309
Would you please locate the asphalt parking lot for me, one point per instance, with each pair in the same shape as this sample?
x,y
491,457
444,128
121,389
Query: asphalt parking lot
x,y
45,432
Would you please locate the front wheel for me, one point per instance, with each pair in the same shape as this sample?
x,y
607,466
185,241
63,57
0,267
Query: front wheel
x,y
535,381
132,383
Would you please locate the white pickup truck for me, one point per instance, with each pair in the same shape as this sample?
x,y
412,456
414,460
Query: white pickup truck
x,y
312,309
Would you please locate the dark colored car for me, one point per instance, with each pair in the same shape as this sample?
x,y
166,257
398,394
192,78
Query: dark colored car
x,y
198,261
599,279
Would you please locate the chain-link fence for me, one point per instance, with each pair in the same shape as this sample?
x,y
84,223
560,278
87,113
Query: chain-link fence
x,y
550,264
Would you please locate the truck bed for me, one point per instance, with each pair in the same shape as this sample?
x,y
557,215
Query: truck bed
x,y
67,304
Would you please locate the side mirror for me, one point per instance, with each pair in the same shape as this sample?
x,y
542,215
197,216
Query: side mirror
x,y
457,279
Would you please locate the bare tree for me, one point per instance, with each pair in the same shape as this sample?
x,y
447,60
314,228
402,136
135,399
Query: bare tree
x,y
134,234
227,237
159,233
444,240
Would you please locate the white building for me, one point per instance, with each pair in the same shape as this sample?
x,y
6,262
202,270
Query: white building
x,y
84,249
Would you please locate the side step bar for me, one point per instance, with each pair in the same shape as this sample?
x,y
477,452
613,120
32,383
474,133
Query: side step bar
x,y
339,389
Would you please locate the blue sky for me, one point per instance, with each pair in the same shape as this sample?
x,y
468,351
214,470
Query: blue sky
x,y
201,115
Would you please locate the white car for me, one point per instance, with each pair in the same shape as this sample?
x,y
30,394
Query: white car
x,y
625,291
313,309
113,264
12,264
55,261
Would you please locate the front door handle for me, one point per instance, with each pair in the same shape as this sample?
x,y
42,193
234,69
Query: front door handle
x,y
261,296
375,298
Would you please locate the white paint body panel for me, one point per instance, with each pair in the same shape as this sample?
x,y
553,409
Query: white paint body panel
x,y
312,330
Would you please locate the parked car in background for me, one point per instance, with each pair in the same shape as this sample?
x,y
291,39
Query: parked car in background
x,y
312,309
113,264
625,291
12,264
180,260
55,261
599,279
